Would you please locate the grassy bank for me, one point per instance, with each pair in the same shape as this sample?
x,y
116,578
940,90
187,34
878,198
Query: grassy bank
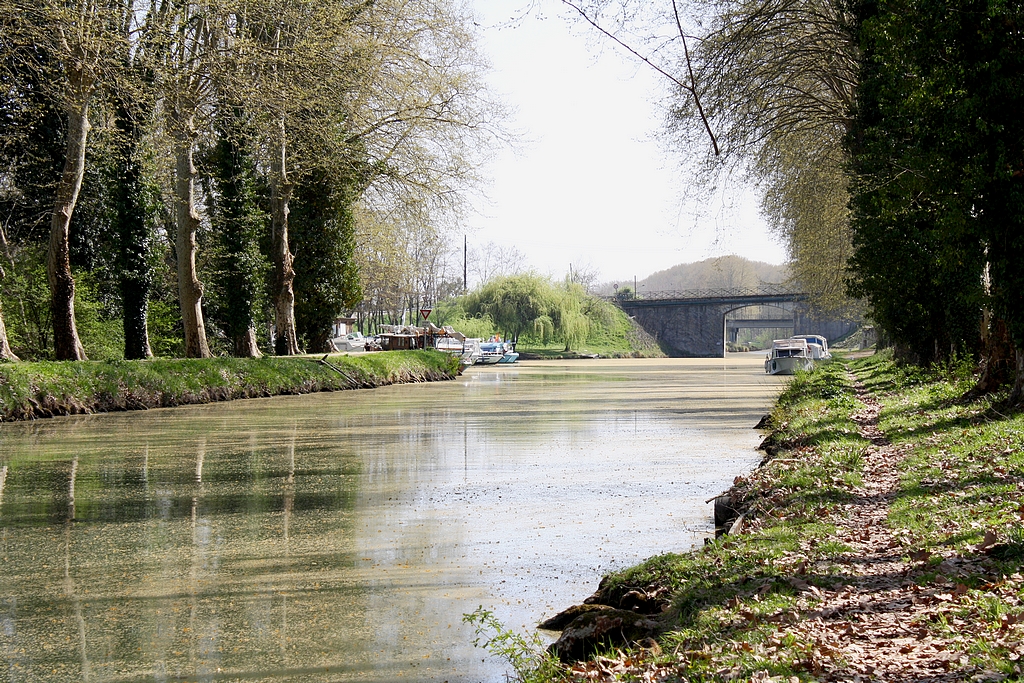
x,y
620,337
882,539
45,389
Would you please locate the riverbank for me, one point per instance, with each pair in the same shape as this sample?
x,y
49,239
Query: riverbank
x,y
881,539
45,389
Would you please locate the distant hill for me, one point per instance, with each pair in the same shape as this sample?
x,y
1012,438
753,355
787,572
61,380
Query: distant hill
x,y
723,271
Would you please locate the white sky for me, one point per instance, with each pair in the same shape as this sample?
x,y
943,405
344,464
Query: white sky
x,y
590,185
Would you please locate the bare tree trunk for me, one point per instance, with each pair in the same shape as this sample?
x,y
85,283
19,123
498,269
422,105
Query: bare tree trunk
x,y
246,345
285,341
1017,395
190,289
5,348
66,344
6,353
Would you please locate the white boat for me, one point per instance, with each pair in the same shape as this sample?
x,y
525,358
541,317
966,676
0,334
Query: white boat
x,y
353,341
787,356
817,344
466,350
491,352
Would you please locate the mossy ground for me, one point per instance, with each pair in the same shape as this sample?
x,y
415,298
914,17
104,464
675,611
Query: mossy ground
x,y
41,389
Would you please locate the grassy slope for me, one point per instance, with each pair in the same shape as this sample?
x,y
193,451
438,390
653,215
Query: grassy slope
x,y
617,336
740,603
52,388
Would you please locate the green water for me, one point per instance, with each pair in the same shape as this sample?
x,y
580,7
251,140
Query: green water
x,y
341,537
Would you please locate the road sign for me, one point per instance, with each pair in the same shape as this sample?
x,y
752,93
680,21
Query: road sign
x,y
425,312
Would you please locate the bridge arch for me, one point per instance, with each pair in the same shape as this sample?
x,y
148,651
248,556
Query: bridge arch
x,y
780,316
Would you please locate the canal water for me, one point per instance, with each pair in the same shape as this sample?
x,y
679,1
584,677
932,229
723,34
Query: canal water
x,y
341,537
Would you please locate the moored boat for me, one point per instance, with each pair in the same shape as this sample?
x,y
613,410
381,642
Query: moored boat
x,y
466,350
817,345
787,356
491,352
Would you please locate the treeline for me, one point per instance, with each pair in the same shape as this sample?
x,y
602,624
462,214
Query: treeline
x,y
937,160
199,177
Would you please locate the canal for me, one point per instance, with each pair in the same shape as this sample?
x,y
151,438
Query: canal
x,y
341,537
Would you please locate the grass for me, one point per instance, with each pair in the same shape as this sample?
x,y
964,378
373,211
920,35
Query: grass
x,y
738,601
48,388
617,337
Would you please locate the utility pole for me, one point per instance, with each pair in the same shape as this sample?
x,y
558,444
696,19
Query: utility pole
x,y
465,253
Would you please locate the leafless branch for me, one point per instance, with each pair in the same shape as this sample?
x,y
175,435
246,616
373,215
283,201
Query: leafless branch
x,y
690,88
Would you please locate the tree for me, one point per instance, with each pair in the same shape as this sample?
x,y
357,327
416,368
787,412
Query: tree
x,y
326,277
769,84
6,353
573,321
238,224
186,44
514,303
78,39
934,151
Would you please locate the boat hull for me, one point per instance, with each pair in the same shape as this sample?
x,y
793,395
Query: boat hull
x,y
787,365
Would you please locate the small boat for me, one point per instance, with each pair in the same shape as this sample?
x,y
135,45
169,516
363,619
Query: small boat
x,y
491,352
466,350
510,354
787,356
817,344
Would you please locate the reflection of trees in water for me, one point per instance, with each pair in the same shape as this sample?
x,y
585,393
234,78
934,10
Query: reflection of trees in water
x,y
177,568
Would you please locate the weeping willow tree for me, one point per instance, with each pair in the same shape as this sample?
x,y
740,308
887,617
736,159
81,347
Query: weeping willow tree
x,y
573,322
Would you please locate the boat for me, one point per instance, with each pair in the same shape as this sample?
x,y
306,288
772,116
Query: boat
x,y
491,352
353,341
510,355
467,350
787,356
817,344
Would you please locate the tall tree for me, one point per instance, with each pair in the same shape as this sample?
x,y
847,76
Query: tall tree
x,y
79,37
6,353
326,276
134,99
760,88
932,147
238,224
189,37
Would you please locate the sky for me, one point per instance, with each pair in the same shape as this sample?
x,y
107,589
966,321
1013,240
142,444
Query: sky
x,y
588,184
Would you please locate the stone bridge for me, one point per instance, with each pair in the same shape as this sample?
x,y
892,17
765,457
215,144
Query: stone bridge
x,y
696,323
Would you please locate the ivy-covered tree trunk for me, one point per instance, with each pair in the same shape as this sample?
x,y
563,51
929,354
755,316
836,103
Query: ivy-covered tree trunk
x,y
135,241
998,359
326,279
66,344
190,289
286,341
238,224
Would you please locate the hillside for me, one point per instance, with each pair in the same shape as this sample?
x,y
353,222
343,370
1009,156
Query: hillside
x,y
722,271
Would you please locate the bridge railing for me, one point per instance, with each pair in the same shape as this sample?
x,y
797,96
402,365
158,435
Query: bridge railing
x,y
717,293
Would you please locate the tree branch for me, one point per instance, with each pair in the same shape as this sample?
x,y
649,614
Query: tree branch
x,y
691,88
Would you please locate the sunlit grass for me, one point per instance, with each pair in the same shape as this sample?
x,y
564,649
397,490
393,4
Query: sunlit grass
x,y
89,386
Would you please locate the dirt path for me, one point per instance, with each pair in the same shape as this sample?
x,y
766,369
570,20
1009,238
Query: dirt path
x,y
895,613
875,627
